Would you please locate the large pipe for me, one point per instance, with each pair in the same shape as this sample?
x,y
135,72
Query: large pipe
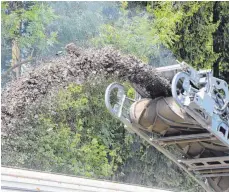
x,y
160,114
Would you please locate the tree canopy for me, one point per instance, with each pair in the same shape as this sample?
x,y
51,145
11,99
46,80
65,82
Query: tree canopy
x,y
195,32
24,31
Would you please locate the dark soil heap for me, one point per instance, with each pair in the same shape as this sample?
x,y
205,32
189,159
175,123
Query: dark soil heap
x,y
76,67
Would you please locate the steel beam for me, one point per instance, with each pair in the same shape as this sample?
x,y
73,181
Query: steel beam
x,y
185,138
216,175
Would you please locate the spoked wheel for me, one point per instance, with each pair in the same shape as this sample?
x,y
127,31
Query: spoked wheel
x,y
113,95
180,85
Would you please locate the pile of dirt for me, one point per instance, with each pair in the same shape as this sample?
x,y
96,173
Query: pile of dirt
x,y
76,66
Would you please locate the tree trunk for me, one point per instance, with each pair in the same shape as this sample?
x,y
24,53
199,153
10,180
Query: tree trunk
x,y
216,36
15,57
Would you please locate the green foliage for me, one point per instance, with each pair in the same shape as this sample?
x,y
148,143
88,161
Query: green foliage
x,y
202,33
69,152
73,133
185,28
195,29
27,22
223,40
165,22
79,21
131,35
127,37
71,137
137,33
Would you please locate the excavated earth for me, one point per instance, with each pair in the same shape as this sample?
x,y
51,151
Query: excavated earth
x,y
76,66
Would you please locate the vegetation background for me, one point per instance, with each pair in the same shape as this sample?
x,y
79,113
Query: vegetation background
x,y
73,133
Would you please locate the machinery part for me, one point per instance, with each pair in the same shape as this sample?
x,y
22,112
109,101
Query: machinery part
x,y
120,112
120,108
159,115
185,139
207,163
219,183
170,71
195,120
205,98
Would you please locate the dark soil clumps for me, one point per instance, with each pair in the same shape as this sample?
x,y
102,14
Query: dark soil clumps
x,y
77,66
